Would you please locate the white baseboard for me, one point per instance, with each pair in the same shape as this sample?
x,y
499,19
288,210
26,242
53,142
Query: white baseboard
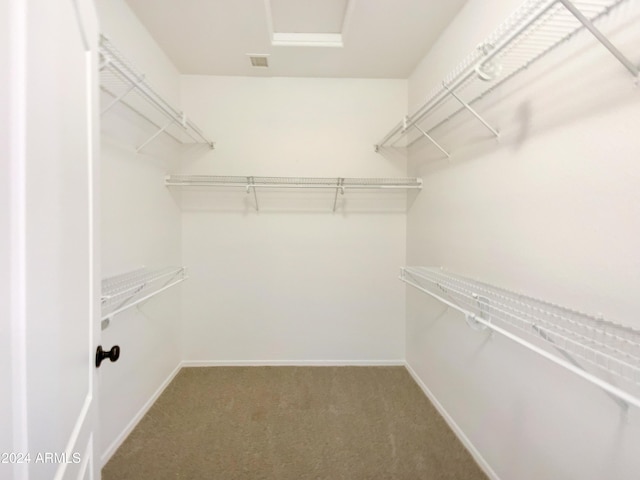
x,y
108,453
293,363
482,463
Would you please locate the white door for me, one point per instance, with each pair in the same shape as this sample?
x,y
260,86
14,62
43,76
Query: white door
x,y
53,270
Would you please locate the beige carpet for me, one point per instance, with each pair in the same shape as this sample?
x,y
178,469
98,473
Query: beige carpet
x,y
292,423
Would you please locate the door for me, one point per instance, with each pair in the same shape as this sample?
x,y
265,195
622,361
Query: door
x,y
53,273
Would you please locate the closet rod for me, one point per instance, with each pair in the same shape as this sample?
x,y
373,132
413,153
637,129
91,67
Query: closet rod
x,y
530,33
611,350
291,185
442,93
142,299
122,292
292,182
136,82
168,111
145,117
253,184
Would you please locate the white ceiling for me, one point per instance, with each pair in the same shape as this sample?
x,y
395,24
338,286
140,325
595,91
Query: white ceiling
x,y
302,38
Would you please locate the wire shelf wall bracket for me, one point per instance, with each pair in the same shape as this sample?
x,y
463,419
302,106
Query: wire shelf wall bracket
x,y
604,353
127,86
252,184
532,31
471,110
121,292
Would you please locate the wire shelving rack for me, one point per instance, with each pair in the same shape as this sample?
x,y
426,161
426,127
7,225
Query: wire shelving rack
x,y
124,84
532,31
121,292
251,184
602,352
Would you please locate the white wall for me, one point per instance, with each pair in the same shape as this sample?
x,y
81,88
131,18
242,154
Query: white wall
x,y
140,226
293,283
551,210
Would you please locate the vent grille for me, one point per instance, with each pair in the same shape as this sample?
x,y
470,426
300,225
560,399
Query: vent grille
x,y
259,61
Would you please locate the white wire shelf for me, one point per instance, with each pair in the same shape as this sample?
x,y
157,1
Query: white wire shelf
x,y
121,292
332,183
532,31
602,352
125,85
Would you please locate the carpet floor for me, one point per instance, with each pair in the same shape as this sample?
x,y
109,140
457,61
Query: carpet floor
x,y
268,423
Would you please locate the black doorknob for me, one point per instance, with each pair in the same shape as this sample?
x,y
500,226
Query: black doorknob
x,y
113,354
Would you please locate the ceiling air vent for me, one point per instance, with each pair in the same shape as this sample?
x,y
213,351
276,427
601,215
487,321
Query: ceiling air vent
x,y
258,60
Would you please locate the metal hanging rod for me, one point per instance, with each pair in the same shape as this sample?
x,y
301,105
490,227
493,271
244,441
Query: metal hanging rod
x,y
601,352
120,79
122,292
291,182
532,31
254,183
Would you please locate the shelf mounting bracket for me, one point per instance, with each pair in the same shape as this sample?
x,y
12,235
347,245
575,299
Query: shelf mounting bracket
x,y
619,401
251,185
104,64
154,136
588,24
430,138
122,95
470,108
339,188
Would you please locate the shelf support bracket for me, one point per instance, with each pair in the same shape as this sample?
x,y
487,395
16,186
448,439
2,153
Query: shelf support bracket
x,y
121,96
154,136
130,297
619,401
430,138
473,112
339,188
251,185
405,124
131,303
172,280
588,24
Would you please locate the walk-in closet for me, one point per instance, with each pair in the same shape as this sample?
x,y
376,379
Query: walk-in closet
x,y
304,239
